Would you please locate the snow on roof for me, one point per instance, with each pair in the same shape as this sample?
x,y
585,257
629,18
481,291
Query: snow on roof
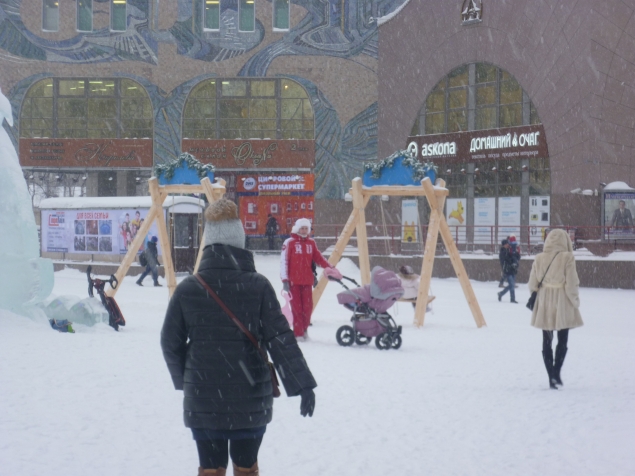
x,y
618,186
69,203
390,16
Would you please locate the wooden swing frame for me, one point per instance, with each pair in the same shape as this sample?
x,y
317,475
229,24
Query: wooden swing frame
x,y
436,196
159,193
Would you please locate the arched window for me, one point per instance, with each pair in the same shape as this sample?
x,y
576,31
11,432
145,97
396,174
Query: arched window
x,y
248,109
86,108
474,97
480,96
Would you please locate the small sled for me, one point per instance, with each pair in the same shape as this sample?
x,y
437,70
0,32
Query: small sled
x,y
115,317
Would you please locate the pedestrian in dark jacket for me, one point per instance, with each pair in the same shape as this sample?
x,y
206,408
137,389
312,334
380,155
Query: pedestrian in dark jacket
x,y
227,385
271,230
152,262
510,268
501,260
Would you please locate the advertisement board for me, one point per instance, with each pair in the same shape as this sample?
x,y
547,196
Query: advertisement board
x,y
539,218
508,217
619,208
484,220
286,197
455,215
93,231
409,221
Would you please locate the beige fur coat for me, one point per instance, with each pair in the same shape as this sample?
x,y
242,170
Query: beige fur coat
x,y
558,301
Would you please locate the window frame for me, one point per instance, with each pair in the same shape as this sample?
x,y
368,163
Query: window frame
x,y
117,94
112,6
77,25
204,3
44,9
240,8
273,16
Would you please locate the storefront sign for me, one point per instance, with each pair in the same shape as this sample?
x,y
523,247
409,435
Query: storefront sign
x,y
86,153
253,154
93,231
506,143
283,197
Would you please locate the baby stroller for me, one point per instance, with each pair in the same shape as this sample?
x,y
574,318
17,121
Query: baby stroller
x,y
115,317
369,304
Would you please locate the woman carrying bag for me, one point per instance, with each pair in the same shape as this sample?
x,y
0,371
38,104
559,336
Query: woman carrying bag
x,y
555,280
218,328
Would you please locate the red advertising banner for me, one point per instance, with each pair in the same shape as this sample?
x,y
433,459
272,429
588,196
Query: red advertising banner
x,y
285,197
86,153
253,153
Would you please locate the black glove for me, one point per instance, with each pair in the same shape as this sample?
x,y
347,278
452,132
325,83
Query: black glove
x,y
307,405
285,286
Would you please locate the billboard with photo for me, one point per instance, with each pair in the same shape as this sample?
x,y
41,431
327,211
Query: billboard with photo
x,y
619,209
93,231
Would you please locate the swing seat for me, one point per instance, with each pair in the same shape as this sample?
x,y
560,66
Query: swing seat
x,y
430,299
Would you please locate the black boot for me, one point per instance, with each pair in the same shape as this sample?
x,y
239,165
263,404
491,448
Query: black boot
x,y
547,356
561,352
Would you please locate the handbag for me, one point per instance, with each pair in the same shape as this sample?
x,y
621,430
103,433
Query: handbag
x,y
274,378
532,299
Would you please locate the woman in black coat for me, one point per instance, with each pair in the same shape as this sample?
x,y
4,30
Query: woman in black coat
x,y
227,385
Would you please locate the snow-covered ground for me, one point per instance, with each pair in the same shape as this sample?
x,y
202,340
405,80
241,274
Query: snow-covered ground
x,y
454,400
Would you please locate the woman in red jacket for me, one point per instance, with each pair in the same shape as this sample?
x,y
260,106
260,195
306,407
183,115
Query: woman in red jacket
x,y
298,252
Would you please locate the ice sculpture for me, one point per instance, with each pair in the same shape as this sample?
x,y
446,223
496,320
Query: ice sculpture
x,y
25,278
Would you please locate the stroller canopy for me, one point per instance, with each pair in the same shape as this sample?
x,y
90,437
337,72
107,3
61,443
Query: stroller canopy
x,y
382,292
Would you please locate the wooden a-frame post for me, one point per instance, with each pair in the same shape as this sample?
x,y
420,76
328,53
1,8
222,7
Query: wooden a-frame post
x,y
357,222
159,193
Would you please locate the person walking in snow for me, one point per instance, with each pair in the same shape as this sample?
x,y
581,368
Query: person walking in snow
x,y
510,268
298,253
227,385
151,255
501,260
557,306
271,230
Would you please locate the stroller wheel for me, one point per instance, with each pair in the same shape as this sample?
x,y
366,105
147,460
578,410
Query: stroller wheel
x,y
345,336
383,341
361,339
396,342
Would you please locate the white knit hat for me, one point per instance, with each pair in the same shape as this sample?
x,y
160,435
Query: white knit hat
x,y
222,225
300,222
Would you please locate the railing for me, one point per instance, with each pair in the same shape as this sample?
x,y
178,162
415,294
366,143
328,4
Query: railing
x,y
387,239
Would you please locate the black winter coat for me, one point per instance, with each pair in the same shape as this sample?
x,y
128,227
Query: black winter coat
x,y
510,261
225,380
152,254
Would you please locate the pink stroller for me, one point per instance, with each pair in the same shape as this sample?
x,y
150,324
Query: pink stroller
x,y
369,304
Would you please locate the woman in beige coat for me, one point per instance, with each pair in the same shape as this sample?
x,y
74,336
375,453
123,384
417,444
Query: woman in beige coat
x,y
557,303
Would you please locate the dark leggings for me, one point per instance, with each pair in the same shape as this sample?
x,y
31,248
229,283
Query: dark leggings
x,y
547,339
213,454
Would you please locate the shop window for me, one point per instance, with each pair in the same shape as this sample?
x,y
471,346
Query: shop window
x,y
212,15
118,15
246,15
84,15
86,108
50,15
248,109
281,14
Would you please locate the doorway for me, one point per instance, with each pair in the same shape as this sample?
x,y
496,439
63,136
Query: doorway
x,y
185,232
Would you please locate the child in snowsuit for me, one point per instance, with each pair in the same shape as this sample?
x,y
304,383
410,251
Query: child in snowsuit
x,y
298,252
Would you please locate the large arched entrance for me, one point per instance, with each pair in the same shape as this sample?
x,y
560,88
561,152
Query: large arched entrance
x,y
480,128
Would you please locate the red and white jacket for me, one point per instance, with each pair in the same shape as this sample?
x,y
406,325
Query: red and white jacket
x,y
295,262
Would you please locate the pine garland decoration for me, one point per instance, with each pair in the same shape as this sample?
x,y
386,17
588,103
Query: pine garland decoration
x,y
409,160
191,163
